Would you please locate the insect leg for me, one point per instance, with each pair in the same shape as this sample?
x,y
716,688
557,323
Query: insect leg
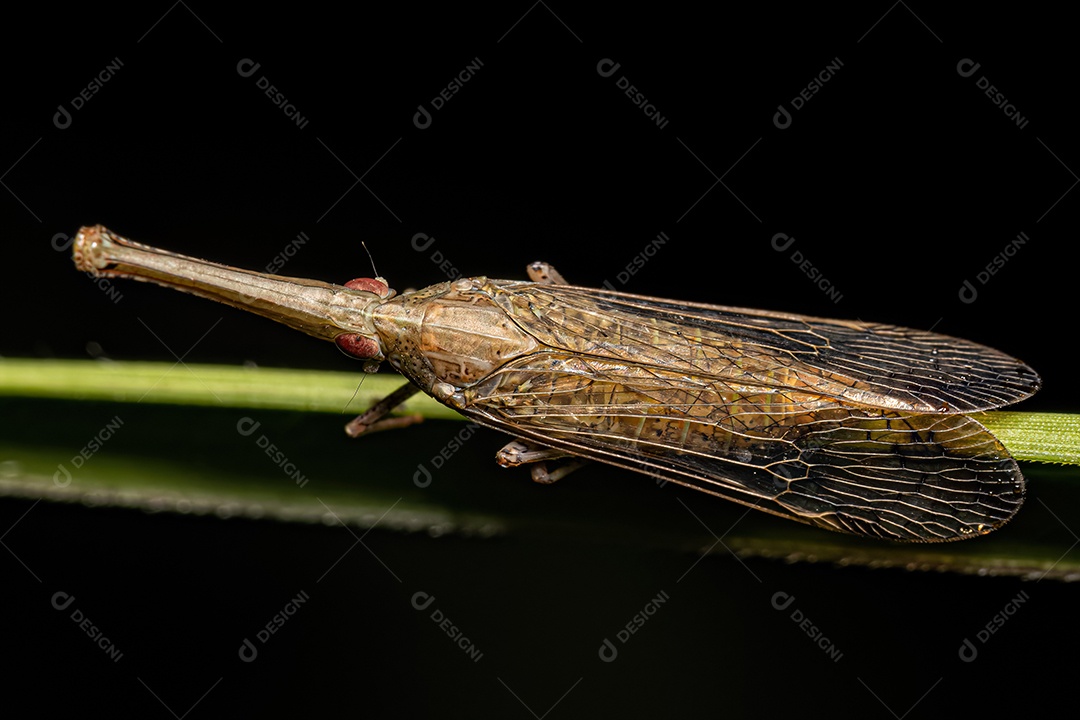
x,y
541,272
519,452
374,419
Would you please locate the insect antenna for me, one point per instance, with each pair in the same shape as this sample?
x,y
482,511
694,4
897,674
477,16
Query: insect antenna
x,y
358,386
371,259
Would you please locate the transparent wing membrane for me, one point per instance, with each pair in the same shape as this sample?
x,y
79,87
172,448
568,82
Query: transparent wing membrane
x,y
847,426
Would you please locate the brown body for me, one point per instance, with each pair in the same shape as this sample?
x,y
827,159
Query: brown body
x,y
846,425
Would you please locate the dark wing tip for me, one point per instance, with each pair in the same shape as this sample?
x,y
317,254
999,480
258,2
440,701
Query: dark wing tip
x,y
951,480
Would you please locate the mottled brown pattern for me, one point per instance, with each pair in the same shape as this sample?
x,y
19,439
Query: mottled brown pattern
x,y
850,426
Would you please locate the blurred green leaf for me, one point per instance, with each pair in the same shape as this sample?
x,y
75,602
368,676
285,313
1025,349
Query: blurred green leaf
x,y
260,443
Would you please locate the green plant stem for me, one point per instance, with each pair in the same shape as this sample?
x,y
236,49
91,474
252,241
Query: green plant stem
x,y
1032,437
212,385
1036,437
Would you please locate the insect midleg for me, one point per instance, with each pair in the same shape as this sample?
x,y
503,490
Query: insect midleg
x,y
522,452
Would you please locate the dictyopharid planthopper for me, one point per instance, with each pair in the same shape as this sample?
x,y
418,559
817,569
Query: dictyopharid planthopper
x,y
851,426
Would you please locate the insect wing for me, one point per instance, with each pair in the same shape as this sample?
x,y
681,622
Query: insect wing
x,y
853,362
820,421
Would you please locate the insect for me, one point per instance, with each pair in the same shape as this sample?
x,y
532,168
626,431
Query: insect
x,y
850,426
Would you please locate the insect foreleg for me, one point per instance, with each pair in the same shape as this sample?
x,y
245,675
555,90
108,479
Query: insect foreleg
x,y
374,419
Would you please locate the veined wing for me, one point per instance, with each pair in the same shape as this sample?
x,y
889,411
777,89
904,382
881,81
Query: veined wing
x,y
846,425
854,363
900,476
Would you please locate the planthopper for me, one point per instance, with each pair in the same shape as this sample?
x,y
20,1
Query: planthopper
x,y
850,426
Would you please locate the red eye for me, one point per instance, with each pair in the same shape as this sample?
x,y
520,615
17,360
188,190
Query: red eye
x,y
358,346
370,284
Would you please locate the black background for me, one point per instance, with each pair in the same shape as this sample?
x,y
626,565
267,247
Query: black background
x,y
899,180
